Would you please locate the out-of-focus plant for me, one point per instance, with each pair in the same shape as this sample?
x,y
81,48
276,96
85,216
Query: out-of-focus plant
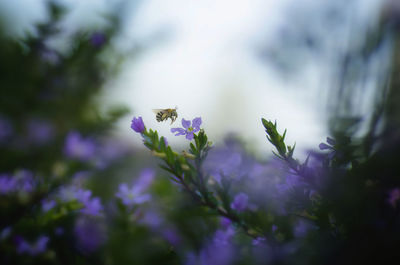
x,y
66,196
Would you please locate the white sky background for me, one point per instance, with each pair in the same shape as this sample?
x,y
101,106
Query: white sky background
x,y
207,65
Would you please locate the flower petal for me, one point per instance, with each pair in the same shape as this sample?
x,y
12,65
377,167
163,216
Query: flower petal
x,y
196,122
189,136
185,123
179,131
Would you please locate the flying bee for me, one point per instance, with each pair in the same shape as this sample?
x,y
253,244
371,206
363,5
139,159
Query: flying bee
x,y
164,114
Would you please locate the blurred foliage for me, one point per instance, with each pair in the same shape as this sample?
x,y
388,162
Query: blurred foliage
x,y
70,193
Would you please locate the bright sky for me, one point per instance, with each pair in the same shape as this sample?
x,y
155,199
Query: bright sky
x,y
207,65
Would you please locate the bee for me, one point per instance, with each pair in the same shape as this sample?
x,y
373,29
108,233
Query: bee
x,y
164,114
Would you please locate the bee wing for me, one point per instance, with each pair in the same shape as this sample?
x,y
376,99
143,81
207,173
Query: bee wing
x,y
156,111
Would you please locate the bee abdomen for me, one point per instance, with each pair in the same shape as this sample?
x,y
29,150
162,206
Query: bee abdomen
x,y
159,116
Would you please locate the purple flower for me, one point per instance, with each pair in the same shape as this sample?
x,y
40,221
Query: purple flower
x,y
22,181
137,125
187,129
394,196
26,182
40,131
5,233
302,228
240,202
6,128
97,39
291,182
330,141
258,241
78,147
171,235
134,194
219,251
47,205
32,249
92,207
225,222
223,237
7,184
323,146
90,233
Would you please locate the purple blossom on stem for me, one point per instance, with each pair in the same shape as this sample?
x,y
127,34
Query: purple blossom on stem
x,y
330,141
240,202
78,147
189,128
137,125
323,146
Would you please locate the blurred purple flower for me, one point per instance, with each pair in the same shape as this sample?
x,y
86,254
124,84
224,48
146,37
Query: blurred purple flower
x,y
26,182
302,228
330,141
152,219
394,196
223,237
34,249
50,56
97,39
6,128
91,206
59,231
187,129
7,184
225,222
240,202
172,236
258,241
90,233
137,125
5,233
79,148
40,131
21,181
134,195
323,146
291,182
110,150
217,252
47,205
